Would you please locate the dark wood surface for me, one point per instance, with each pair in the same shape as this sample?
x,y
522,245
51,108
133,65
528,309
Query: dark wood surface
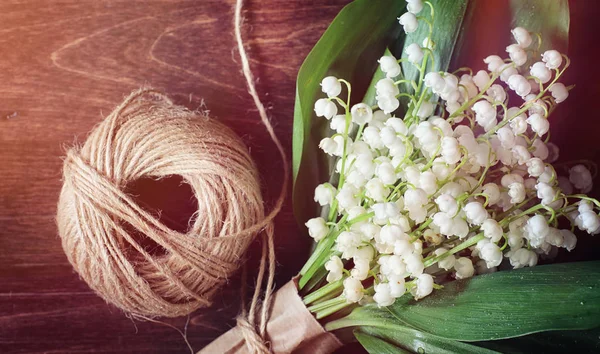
x,y
65,64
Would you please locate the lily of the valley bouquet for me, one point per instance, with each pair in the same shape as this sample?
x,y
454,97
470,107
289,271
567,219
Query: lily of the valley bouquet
x,y
440,194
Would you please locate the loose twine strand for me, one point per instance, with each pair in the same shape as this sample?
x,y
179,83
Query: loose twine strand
x,y
255,341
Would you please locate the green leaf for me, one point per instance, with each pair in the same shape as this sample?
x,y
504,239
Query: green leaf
x,y
375,345
447,25
349,49
410,340
548,18
549,342
499,305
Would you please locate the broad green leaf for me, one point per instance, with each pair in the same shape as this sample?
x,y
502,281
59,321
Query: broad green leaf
x,y
499,305
413,341
549,342
548,18
447,25
375,345
349,49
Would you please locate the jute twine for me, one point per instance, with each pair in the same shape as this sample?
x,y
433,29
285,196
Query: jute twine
x,y
147,136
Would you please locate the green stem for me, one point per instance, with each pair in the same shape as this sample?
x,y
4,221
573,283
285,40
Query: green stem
x,y
331,310
468,243
320,293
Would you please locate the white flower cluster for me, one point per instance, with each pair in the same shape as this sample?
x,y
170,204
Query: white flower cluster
x,y
461,183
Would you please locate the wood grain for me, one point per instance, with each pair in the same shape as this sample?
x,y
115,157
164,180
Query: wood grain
x,y
65,64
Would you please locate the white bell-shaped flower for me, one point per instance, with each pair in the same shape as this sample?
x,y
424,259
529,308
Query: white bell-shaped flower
x,y
324,194
541,72
387,103
506,71
552,58
522,37
361,268
448,261
517,192
317,228
506,137
581,178
434,81
536,230
414,6
397,285
538,124
491,254
409,22
414,53
325,108
589,222
569,240
361,113
521,154
386,87
494,63
331,86
414,264
353,290
517,54
492,230
423,286
559,92
518,124
383,296
545,193
475,213
450,150
335,267
425,110
338,123
522,257
510,178
444,222
492,191
519,84
468,87
376,190
389,65
347,197
481,79
497,93
447,204
371,136
540,149
464,268
386,173
485,114
329,146
450,92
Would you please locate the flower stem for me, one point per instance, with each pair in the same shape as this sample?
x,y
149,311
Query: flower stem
x,y
327,289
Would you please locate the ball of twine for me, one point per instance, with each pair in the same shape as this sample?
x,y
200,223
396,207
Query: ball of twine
x,y
149,136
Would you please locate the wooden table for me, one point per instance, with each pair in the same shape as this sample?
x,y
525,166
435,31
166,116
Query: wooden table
x,y
65,64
